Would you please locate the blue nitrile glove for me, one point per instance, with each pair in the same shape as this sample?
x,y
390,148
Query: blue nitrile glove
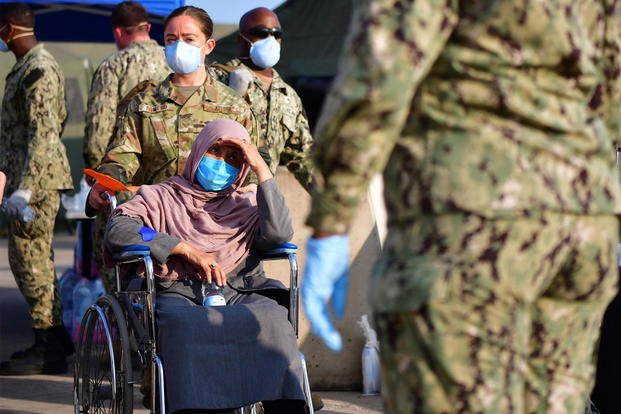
x,y
326,277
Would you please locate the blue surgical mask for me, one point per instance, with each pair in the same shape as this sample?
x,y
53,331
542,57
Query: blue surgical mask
x,y
183,58
215,175
265,53
3,46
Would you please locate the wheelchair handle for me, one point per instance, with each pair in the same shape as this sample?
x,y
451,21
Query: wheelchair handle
x,y
111,197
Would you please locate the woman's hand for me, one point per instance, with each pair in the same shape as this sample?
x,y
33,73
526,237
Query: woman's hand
x,y
205,264
251,157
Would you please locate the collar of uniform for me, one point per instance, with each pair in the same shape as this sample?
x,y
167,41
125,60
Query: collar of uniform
x,y
141,43
278,82
20,62
167,91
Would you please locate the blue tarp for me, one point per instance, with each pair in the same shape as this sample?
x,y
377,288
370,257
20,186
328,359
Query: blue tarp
x,y
89,20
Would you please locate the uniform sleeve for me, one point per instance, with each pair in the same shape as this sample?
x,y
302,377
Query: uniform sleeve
x,y
274,218
296,154
100,114
390,49
45,110
606,101
123,231
123,155
249,121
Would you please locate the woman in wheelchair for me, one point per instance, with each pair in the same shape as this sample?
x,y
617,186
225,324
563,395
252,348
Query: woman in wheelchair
x,y
202,226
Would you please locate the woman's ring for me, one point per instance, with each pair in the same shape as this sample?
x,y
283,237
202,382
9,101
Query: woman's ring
x,y
212,265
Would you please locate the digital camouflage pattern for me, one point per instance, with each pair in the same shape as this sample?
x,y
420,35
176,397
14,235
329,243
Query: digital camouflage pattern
x,y
33,114
493,315
156,133
282,119
34,158
487,107
32,260
112,80
493,123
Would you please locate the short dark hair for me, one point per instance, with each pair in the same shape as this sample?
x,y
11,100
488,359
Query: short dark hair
x,y
17,13
200,15
129,14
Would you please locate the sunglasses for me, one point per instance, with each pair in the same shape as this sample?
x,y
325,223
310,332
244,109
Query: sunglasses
x,y
264,32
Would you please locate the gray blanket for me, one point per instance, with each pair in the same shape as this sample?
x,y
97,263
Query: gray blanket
x,y
228,356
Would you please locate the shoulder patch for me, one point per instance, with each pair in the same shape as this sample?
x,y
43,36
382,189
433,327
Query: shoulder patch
x,y
33,77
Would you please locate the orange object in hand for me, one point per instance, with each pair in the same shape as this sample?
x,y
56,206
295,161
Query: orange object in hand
x,y
111,184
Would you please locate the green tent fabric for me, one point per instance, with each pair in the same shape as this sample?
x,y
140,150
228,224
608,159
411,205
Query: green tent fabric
x,y
314,32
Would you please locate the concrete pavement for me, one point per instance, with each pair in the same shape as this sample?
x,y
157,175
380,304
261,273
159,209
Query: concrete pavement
x,y
51,394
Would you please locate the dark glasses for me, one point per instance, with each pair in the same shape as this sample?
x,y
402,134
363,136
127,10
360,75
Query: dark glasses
x,y
264,32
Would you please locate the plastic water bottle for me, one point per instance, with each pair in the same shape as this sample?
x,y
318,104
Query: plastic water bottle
x,y
66,284
212,295
85,293
27,214
371,383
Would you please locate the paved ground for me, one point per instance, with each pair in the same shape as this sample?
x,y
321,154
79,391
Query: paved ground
x,y
49,394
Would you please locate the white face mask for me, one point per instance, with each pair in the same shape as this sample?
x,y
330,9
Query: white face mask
x,y
183,58
265,53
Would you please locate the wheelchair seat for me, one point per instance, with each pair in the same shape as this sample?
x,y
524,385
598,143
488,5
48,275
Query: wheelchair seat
x,y
118,336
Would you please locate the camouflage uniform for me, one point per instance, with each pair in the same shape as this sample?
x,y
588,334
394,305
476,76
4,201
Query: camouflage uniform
x,y
156,133
282,119
501,191
34,158
112,80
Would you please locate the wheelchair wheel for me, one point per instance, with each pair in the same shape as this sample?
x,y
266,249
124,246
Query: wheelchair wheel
x,y
103,372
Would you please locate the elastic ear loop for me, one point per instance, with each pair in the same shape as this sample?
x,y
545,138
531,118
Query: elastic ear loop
x,y
21,35
30,32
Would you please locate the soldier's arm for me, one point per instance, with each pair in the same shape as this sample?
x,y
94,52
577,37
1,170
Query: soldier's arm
x,y
124,153
44,107
296,154
606,100
389,51
100,114
249,121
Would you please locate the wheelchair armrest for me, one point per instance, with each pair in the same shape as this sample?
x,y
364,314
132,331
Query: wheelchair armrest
x,y
280,251
132,253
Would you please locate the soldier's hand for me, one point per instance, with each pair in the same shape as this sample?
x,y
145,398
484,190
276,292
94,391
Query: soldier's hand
x,y
239,80
95,197
326,277
17,202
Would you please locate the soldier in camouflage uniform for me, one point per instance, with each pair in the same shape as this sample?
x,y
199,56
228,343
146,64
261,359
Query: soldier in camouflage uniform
x,y
275,104
156,133
493,123
35,162
139,58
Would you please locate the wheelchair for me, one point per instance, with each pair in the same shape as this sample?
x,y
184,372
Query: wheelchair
x,y
117,350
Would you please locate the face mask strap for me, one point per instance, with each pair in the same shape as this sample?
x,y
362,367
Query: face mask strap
x,y
21,35
29,31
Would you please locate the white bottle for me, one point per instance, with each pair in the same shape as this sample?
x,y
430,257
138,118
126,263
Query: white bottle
x,y
371,383
212,295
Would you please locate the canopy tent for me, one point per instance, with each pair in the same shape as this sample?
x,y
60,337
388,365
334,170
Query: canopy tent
x,y
313,36
89,20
